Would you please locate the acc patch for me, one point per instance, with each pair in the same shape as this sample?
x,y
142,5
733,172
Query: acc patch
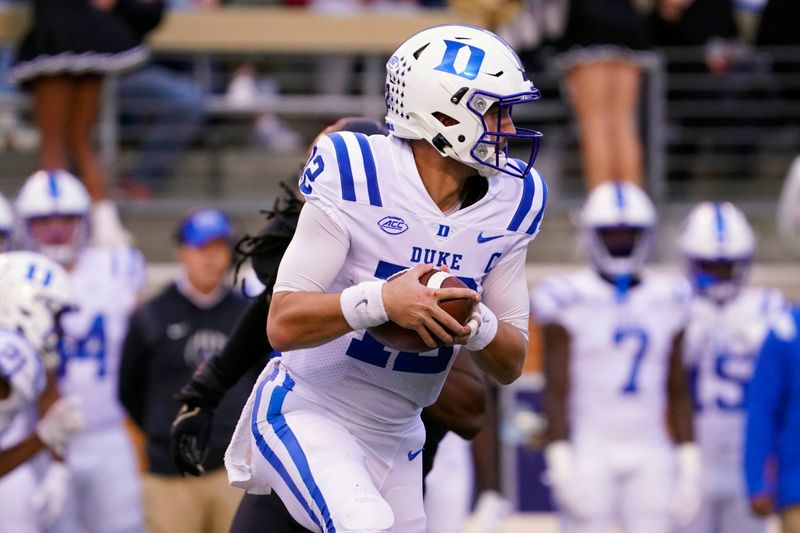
x,y
392,225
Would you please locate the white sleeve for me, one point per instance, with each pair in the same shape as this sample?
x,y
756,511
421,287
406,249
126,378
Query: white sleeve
x,y
505,292
318,236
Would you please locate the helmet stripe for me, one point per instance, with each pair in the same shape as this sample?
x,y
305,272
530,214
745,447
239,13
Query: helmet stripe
x,y
52,182
720,219
620,196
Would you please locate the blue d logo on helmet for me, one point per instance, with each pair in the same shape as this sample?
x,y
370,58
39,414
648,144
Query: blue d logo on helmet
x,y
201,227
473,66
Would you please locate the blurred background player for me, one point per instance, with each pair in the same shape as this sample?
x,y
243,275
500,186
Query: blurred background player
x,y
459,408
612,355
34,293
170,337
53,219
727,325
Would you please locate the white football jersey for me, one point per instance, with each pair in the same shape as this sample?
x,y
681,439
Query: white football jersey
x,y
21,367
371,188
721,344
106,282
619,350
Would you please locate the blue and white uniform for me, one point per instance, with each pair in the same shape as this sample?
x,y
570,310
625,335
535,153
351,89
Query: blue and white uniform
x,y
721,346
326,426
102,462
620,348
22,369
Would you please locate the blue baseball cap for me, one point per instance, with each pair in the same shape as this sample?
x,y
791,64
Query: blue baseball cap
x,y
198,228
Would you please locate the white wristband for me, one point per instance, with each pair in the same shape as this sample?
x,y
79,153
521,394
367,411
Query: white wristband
x,y
483,326
689,461
362,305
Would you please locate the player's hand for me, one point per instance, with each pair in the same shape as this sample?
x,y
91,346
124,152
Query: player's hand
x,y
414,306
188,445
563,482
762,505
687,496
61,421
50,496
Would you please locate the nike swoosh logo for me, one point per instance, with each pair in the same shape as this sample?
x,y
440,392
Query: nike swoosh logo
x,y
413,454
482,239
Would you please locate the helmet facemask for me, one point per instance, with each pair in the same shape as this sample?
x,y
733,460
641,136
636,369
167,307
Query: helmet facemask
x,y
719,280
59,237
491,148
619,250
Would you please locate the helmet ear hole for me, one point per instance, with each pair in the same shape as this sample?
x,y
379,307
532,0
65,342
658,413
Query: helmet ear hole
x,y
461,138
446,120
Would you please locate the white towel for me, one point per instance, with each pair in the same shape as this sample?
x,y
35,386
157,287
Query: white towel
x,y
242,449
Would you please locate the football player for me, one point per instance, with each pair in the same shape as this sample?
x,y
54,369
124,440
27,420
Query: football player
x,y
6,224
613,365
333,426
53,218
728,324
459,408
34,292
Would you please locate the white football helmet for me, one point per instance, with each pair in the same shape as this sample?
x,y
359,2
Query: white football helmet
x,y
618,223
34,292
48,194
6,224
718,244
460,72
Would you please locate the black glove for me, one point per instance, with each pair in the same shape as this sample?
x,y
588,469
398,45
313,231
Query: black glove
x,y
188,445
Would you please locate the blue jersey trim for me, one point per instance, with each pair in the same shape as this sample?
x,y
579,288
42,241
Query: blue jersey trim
x,y
286,435
273,459
345,167
370,170
386,270
528,189
538,219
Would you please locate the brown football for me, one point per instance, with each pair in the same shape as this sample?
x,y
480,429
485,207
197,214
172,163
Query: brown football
x,y
407,340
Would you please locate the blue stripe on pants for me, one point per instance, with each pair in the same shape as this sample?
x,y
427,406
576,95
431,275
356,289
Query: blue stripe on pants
x,y
273,459
283,431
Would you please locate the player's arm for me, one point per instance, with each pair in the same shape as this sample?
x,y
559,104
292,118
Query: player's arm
x,y
461,406
302,315
16,455
679,394
686,496
60,420
501,342
556,372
